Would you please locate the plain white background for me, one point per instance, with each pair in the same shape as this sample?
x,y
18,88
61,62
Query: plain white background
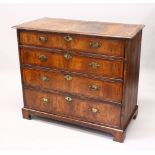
x,y
46,135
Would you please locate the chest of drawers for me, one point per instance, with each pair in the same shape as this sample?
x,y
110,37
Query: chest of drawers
x,y
83,73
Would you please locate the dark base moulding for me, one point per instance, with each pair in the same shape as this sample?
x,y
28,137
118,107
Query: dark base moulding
x,y
118,134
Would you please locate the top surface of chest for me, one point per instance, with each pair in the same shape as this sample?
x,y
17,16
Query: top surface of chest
x,y
104,29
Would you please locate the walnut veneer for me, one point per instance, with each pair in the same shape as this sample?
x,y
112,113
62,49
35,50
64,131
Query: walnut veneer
x,y
80,72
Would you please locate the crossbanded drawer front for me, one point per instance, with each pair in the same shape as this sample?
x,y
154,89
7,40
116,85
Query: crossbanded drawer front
x,y
95,112
67,61
98,45
110,91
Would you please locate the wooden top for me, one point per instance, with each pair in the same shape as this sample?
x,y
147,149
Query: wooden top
x,y
103,29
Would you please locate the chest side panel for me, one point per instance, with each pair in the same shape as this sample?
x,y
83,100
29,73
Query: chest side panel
x,y
131,77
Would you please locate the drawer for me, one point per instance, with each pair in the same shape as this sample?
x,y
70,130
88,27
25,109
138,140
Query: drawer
x,y
73,84
67,61
96,112
98,45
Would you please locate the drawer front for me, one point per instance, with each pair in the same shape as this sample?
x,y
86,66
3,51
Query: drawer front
x,y
111,47
73,84
65,61
96,112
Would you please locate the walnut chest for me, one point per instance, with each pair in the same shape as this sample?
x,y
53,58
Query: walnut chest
x,y
80,72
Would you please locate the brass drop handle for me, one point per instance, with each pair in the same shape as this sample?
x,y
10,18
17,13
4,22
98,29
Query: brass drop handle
x,y
42,58
45,100
94,110
68,38
94,87
94,45
69,99
67,56
68,77
45,78
42,39
94,65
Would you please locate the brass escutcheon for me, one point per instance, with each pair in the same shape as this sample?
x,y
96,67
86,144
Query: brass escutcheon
x,y
94,45
45,78
45,100
94,110
68,77
68,38
69,99
42,39
94,65
42,58
67,56
94,87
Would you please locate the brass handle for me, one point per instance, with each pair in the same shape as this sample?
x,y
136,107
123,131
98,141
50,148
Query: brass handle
x,y
68,77
94,87
43,58
94,45
68,38
67,56
69,99
94,65
45,78
42,39
45,100
94,110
